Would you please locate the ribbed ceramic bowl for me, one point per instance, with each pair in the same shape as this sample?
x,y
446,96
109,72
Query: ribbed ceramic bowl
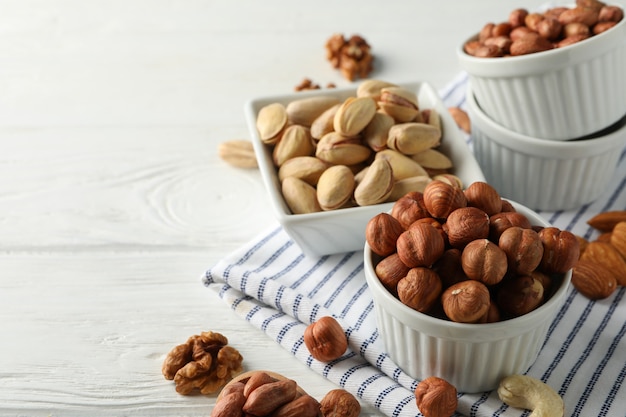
x,y
560,94
343,230
543,174
472,357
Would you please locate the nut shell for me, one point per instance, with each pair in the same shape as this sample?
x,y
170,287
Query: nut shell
x,y
466,301
325,339
436,397
420,289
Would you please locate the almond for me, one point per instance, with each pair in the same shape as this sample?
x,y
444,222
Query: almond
x,y
592,280
618,238
605,222
606,255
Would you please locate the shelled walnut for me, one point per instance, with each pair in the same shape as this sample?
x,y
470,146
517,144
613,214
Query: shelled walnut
x,y
351,56
204,362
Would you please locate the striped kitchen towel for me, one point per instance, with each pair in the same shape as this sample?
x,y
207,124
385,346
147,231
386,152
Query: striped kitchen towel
x,y
270,283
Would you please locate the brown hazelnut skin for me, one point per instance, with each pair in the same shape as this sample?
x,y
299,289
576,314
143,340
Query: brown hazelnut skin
x,y
421,245
561,250
390,271
420,289
441,199
466,302
498,223
449,268
484,261
409,208
466,224
340,403
436,397
382,232
325,339
523,249
483,196
519,295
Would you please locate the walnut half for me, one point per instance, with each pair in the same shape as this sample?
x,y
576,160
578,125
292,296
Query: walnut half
x,y
204,362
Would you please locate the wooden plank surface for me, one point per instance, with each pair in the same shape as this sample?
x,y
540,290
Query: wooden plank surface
x,y
113,200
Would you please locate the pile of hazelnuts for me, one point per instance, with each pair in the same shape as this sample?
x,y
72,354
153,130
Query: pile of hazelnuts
x,y
467,255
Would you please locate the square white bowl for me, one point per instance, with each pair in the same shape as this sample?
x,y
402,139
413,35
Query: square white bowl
x,y
472,357
343,230
559,94
544,174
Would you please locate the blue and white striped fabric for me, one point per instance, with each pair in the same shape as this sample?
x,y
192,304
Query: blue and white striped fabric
x,y
272,285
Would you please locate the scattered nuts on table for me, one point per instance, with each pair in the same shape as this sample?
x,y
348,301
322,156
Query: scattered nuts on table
x,y
436,397
264,393
601,267
351,56
386,144
307,84
526,33
523,391
238,153
325,339
466,255
205,363
340,403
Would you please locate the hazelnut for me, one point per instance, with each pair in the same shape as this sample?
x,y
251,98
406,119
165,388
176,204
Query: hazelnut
x,y
520,295
436,397
466,224
421,245
409,208
420,289
466,301
492,315
560,250
449,268
340,403
382,232
441,199
434,223
325,339
498,223
390,271
483,196
523,249
484,261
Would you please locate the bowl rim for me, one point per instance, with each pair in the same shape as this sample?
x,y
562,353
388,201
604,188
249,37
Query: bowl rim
x,y
478,332
545,148
540,62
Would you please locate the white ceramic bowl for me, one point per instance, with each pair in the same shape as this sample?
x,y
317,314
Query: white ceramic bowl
x,y
343,230
472,357
560,94
543,174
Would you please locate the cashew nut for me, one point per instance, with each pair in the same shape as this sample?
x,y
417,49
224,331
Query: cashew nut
x,y
523,391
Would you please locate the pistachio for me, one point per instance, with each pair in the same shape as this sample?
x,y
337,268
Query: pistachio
x,y
296,141
432,117
399,103
376,185
340,150
376,132
432,159
406,185
353,115
238,153
301,198
304,111
411,138
306,168
270,122
372,88
402,165
335,187
323,124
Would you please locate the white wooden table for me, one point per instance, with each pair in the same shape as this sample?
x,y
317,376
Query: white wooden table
x,y
113,200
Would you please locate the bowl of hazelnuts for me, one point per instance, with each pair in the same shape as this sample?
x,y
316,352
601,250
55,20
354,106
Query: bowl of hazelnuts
x,y
465,283
555,74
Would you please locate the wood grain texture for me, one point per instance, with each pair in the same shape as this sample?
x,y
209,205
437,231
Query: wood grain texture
x,y
113,200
